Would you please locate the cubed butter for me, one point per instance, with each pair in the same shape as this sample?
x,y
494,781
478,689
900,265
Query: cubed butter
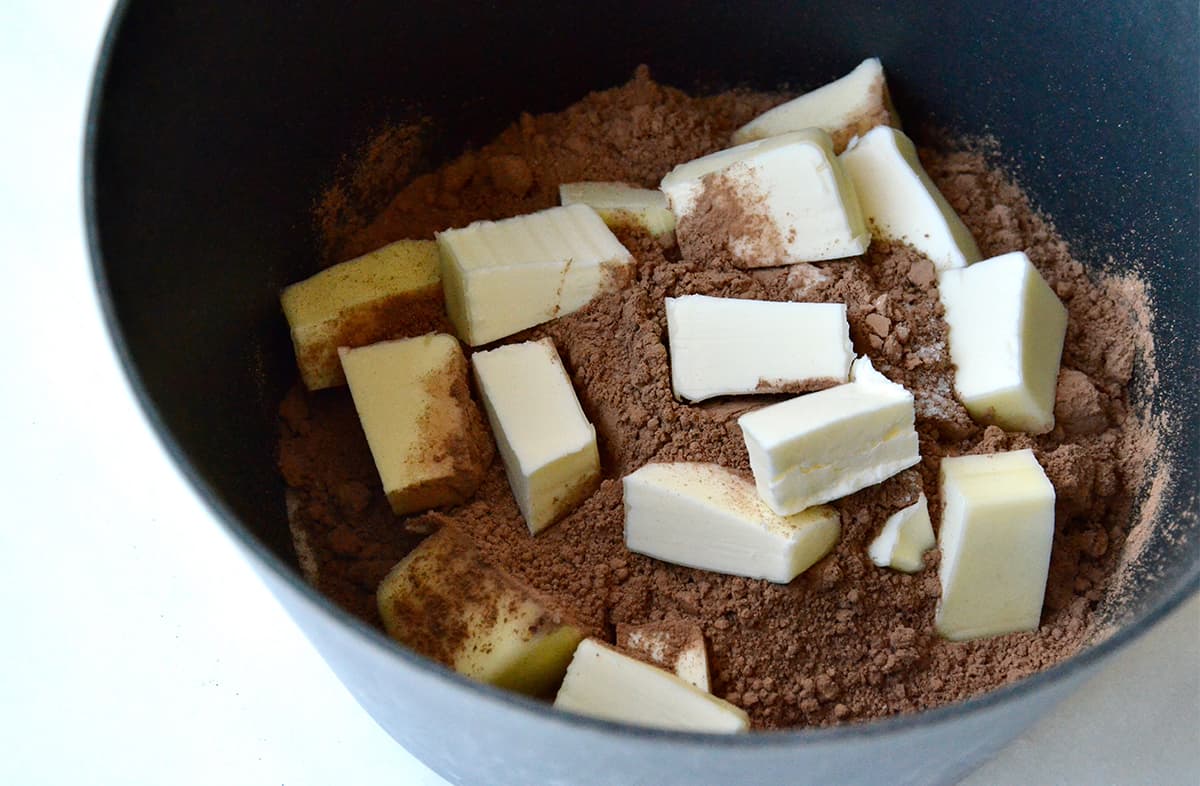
x,y
708,517
997,530
847,107
777,201
548,445
674,645
604,683
726,346
368,299
902,203
1007,329
904,539
426,435
446,602
500,277
620,204
821,446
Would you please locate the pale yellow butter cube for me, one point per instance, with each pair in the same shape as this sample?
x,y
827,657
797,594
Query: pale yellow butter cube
x,y
621,205
845,107
732,346
996,534
901,202
381,295
1007,329
548,445
500,277
604,683
904,539
822,446
425,433
709,517
447,602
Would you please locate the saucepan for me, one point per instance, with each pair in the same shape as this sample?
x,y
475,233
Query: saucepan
x,y
215,124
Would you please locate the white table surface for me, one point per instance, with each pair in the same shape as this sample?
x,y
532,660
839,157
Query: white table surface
x,y
140,648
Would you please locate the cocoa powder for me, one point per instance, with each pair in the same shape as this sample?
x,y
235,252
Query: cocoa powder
x,y
846,640
731,218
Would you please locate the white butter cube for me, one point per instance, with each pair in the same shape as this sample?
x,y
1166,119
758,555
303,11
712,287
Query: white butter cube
x,y
821,446
904,539
500,277
997,530
603,683
426,435
620,204
902,203
726,346
1007,329
705,516
673,644
548,445
846,107
776,201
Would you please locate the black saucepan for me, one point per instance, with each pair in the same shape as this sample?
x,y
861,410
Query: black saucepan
x,y
214,124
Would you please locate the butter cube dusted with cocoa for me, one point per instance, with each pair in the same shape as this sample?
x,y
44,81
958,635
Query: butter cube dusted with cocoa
x,y
445,601
846,107
622,205
674,645
427,436
382,295
777,201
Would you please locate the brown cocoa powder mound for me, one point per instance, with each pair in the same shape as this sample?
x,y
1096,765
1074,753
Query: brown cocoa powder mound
x,y
634,133
846,640
367,180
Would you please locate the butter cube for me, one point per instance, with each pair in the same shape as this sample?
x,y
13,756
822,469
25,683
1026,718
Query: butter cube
x,y
548,445
846,107
620,205
425,433
777,201
997,530
446,602
902,203
821,446
708,517
368,299
904,539
604,683
1007,329
674,645
725,346
504,276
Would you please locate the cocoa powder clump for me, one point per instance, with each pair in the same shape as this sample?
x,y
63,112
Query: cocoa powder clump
x,y
845,641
